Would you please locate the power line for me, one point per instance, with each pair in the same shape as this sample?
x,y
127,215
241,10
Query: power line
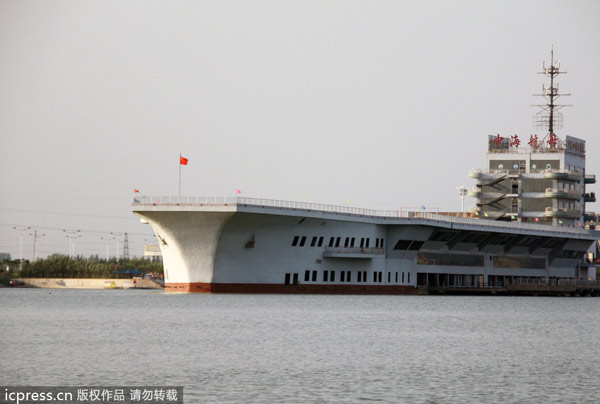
x,y
65,214
69,197
86,231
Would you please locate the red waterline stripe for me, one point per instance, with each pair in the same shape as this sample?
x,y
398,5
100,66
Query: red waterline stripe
x,y
289,289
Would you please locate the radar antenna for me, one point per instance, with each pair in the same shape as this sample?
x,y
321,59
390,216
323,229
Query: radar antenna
x,y
549,117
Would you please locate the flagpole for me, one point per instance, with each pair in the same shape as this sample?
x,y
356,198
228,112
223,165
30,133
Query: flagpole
x,y
179,175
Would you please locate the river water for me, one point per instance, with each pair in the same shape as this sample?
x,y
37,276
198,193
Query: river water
x,y
306,349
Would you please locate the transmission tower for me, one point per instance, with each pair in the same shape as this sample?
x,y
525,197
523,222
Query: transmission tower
x,y
125,246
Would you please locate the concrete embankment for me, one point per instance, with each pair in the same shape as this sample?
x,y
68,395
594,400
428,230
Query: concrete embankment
x,y
68,283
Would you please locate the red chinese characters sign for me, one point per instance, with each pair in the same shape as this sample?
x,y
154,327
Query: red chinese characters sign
x,y
553,140
498,139
533,141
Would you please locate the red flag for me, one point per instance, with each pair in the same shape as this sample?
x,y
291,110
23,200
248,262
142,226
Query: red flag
x,y
183,161
136,191
537,219
237,191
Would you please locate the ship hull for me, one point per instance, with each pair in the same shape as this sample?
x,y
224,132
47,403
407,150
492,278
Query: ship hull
x,y
255,248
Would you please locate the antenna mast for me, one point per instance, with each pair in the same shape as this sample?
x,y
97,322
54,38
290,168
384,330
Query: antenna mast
x,y
549,117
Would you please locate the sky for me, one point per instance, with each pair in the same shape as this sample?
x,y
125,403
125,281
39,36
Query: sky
x,y
386,104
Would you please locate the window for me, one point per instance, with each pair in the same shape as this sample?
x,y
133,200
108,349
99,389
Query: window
x,y
337,241
548,166
519,262
440,235
362,242
571,254
302,241
416,245
295,242
364,276
402,245
320,241
374,276
465,260
295,279
367,243
352,242
306,276
342,276
287,279
500,166
515,166
325,276
380,277
348,276
396,277
313,241
359,277
314,276
346,242
331,239
402,277
332,276
408,277
389,277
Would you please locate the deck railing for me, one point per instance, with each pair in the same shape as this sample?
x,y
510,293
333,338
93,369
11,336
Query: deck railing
x,y
401,213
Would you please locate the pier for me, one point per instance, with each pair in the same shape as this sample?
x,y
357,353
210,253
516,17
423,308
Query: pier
x,y
532,288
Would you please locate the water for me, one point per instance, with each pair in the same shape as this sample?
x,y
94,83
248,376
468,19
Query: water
x,y
306,349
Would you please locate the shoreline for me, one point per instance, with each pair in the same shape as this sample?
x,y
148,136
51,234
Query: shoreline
x,y
87,283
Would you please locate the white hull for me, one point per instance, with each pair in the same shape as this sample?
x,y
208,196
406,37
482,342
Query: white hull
x,y
244,245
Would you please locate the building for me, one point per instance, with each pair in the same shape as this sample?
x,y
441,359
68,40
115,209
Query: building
x,y
543,181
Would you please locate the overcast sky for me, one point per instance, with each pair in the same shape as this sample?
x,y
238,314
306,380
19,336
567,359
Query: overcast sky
x,y
387,104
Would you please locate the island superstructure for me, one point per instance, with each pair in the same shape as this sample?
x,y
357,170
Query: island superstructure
x,y
536,179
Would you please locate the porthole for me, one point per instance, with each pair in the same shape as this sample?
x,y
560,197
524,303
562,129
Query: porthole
x,y
515,166
534,166
500,166
548,166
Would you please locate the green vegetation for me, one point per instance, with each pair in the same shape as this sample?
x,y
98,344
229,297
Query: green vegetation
x,y
61,266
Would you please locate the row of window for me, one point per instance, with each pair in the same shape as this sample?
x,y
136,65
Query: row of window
x,y
468,260
463,260
569,205
571,254
516,166
346,276
349,242
518,262
534,166
409,245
